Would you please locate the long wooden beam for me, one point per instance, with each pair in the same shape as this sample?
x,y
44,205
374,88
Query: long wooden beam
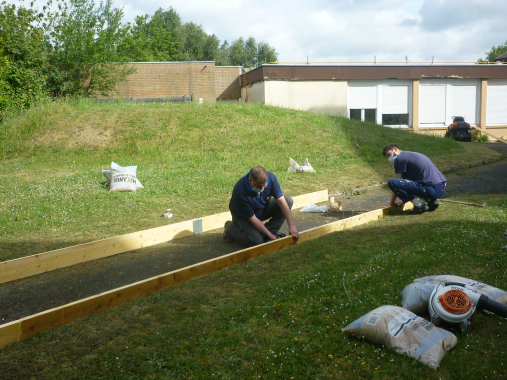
x,y
28,326
60,258
489,134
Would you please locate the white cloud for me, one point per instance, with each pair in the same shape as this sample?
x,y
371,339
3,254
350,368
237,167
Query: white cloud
x,y
348,30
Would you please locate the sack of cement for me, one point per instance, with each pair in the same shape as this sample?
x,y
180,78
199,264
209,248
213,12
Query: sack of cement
x,y
122,178
415,296
109,174
404,332
294,167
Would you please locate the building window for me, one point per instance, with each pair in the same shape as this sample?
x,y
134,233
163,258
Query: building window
x,y
395,119
370,115
355,114
364,114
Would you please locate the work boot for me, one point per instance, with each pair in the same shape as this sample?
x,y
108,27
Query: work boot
x,y
227,238
433,205
419,207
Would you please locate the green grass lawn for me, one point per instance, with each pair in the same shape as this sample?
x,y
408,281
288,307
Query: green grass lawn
x,y
277,317
280,316
189,157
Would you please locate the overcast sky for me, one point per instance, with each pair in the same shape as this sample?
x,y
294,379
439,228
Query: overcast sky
x,y
349,30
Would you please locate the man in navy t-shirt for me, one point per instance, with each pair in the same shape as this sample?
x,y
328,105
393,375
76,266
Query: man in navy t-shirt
x,y
415,176
257,197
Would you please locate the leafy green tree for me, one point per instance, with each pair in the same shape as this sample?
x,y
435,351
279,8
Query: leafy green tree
x,y
197,45
237,52
22,58
250,54
266,53
223,55
85,40
149,41
494,52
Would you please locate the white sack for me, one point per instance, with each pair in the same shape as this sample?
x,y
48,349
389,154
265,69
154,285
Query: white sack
x,y
123,178
295,168
404,332
109,173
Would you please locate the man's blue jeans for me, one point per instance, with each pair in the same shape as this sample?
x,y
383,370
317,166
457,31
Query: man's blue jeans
x,y
407,190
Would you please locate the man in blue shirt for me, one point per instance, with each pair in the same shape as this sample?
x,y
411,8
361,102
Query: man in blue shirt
x,y
257,197
415,176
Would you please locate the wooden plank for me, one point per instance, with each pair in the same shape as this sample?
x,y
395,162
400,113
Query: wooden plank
x,y
47,261
10,333
60,258
41,321
302,200
489,134
28,326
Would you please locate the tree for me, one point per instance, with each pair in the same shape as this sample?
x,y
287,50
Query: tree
x,y
223,55
149,41
22,58
250,54
85,40
494,52
237,52
266,54
197,45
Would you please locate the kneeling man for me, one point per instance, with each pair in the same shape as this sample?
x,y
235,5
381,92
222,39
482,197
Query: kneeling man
x,y
415,176
257,197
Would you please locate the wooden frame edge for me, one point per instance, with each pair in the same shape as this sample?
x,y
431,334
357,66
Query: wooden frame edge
x,y
28,326
47,261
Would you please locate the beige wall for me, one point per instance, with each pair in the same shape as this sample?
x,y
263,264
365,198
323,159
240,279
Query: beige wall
x,y
325,97
254,93
168,79
228,82
498,132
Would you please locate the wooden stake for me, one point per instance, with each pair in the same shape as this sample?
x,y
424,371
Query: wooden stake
x,y
28,326
464,203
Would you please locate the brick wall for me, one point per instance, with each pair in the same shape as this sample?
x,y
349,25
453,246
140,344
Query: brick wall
x,y
164,79
228,82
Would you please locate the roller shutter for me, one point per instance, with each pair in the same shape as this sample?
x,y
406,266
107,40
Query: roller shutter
x,y
362,96
432,103
464,100
395,99
496,113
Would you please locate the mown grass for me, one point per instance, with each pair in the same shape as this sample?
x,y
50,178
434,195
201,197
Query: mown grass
x,y
280,316
189,156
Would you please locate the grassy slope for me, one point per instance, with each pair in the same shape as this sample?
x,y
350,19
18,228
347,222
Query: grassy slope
x,y
188,156
279,316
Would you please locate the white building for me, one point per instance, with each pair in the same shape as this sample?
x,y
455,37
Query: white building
x,y
422,98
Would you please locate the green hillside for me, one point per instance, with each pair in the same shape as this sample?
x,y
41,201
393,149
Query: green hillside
x,y
188,157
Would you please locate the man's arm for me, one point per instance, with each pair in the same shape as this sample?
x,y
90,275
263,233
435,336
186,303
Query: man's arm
x,y
288,217
259,226
393,196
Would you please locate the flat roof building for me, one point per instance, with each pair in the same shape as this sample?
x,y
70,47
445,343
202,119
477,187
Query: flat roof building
x,y
420,97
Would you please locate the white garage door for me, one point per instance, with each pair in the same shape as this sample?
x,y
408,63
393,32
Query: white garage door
x,y
496,106
432,103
